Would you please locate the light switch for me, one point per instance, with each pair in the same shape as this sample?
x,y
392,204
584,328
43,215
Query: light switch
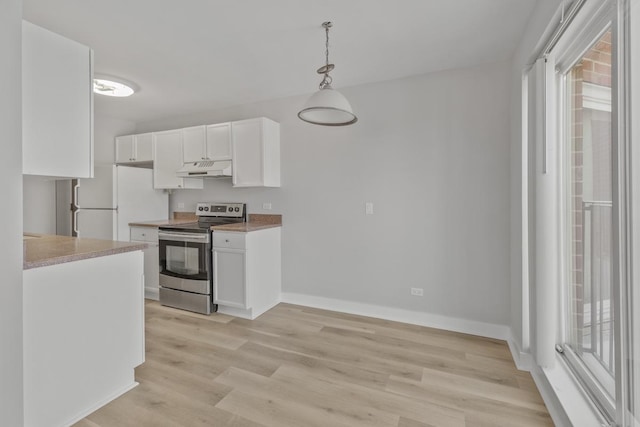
x,y
266,206
368,208
180,205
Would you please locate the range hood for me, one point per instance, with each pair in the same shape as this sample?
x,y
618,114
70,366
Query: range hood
x,y
207,168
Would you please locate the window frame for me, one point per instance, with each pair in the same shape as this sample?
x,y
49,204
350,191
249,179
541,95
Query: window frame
x,y
588,27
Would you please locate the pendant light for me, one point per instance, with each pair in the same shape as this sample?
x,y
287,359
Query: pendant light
x,y
113,86
327,107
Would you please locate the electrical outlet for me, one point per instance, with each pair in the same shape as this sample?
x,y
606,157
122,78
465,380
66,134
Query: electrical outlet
x,y
266,206
180,205
368,208
417,292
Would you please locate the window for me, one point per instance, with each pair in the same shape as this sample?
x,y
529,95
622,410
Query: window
x,y
584,162
587,210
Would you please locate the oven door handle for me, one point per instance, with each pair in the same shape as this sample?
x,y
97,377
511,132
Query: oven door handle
x,y
183,237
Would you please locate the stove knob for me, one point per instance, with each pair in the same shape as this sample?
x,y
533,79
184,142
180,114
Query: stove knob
x,y
237,209
206,208
230,209
200,208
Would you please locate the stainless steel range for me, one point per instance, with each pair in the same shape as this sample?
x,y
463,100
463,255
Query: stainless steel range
x,y
185,257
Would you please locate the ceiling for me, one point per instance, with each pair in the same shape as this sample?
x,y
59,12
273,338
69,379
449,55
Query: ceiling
x,y
193,56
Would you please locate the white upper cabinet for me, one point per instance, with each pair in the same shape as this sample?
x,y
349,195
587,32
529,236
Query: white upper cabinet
x,y
143,147
133,149
252,145
168,159
194,144
57,105
125,150
256,153
219,141
211,142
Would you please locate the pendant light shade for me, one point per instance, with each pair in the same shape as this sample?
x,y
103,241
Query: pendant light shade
x,y
327,107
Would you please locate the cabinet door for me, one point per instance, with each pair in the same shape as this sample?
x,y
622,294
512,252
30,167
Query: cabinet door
x,y
149,236
193,144
219,141
248,168
229,286
57,105
168,149
151,270
124,149
143,148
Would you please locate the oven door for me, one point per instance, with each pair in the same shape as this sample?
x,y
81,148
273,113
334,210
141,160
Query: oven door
x,y
185,261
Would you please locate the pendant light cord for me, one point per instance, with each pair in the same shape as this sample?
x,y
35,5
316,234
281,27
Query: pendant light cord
x,y
326,80
326,52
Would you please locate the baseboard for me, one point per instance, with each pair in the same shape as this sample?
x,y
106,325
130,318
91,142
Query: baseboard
x,y
152,293
438,321
523,360
101,403
236,312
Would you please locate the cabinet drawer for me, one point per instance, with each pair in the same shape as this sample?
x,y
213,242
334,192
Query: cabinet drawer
x,y
144,234
228,240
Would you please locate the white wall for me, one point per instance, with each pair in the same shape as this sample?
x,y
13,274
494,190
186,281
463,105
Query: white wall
x,y
11,406
39,205
634,17
432,153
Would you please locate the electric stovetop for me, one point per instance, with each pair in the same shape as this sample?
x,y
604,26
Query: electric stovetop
x,y
210,214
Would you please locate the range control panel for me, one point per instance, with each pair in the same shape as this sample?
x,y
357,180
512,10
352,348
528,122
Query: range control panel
x,y
226,210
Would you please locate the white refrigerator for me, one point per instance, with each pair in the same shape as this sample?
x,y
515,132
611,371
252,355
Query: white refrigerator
x,y
103,206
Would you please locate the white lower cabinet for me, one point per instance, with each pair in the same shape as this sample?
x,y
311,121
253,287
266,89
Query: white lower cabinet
x,y
230,279
149,236
83,330
247,272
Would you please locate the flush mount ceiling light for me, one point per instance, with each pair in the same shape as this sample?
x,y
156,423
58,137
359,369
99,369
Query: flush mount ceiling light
x,y
327,107
111,86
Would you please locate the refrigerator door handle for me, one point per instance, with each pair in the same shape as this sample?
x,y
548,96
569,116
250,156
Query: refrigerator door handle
x,y
75,222
75,195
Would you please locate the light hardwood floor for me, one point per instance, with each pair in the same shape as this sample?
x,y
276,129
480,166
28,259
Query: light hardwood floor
x,y
298,366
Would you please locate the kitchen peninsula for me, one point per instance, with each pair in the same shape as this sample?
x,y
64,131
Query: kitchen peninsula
x,y
83,325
